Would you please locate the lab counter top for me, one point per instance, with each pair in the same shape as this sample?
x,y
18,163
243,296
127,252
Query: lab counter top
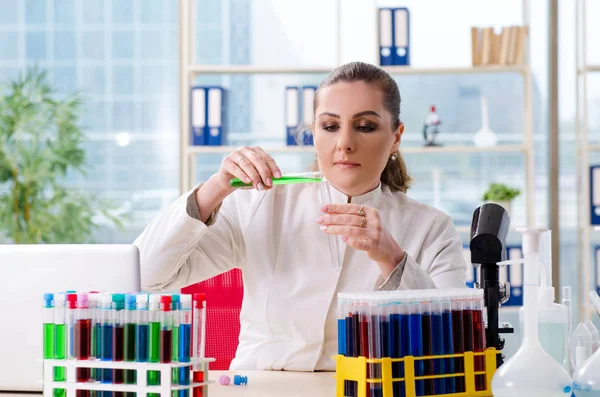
x,y
260,384
275,383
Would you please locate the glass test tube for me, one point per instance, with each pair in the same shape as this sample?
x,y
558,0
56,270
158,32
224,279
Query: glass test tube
x,y
83,340
341,324
448,340
478,338
416,341
106,339
60,344
118,342
198,338
437,336
141,335
175,303
458,333
185,346
49,327
154,340
166,329
130,339
96,330
426,316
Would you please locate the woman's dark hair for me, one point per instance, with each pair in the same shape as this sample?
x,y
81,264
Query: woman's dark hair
x,y
394,175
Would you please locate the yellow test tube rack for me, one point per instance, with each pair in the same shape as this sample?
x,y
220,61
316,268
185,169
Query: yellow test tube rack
x,y
355,369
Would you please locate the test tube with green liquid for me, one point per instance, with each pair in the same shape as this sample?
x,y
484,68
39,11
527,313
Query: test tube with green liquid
x,y
60,341
286,179
154,340
49,327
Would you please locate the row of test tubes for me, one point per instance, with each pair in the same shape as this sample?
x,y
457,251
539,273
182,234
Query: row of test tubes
x,y
154,328
415,323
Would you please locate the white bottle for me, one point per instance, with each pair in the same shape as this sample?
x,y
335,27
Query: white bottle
x,y
531,372
553,318
553,326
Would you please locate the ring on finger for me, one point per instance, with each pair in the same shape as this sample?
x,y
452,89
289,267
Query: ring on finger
x,y
240,159
363,221
361,211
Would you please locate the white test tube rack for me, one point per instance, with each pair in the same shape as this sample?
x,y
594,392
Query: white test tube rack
x,y
141,368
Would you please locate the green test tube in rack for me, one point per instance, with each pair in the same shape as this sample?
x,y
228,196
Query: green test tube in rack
x,y
154,340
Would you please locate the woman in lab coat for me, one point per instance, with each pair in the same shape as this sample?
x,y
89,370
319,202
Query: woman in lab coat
x,y
299,245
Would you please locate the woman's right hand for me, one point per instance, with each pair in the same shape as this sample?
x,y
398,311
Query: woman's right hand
x,y
250,165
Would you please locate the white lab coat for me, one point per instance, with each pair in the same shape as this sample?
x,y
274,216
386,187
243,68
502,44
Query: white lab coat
x,y
290,267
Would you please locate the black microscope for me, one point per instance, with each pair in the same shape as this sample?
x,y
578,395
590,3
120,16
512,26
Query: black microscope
x,y
489,228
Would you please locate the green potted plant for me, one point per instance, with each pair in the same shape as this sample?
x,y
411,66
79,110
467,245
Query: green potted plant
x,y
501,194
40,143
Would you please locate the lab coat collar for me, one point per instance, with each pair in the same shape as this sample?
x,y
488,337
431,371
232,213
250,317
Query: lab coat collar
x,y
369,199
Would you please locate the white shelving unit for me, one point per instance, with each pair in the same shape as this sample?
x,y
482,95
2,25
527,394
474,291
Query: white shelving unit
x,y
584,148
189,71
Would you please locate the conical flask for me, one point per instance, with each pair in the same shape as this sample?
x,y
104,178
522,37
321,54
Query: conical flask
x,y
531,372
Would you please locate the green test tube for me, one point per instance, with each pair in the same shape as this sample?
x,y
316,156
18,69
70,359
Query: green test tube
x,y
286,179
154,340
49,327
60,341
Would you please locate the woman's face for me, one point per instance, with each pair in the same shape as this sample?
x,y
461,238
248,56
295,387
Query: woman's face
x,y
353,136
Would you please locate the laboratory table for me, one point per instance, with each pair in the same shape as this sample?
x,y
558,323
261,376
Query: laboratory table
x,y
261,384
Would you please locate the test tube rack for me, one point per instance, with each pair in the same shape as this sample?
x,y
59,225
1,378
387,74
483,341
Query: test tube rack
x,y
164,389
355,369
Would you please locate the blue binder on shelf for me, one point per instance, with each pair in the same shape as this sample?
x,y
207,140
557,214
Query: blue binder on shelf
x,y
394,36
215,100
308,95
597,256
401,36
207,115
198,115
515,276
292,114
386,28
595,194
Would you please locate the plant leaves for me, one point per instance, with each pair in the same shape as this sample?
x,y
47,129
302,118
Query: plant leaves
x,y
41,142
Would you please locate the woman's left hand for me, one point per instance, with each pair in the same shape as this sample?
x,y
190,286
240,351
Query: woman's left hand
x,y
361,228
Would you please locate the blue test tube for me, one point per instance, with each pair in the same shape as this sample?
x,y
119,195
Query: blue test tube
x,y
415,347
426,318
396,336
438,334
341,315
106,343
446,303
342,311
185,341
141,334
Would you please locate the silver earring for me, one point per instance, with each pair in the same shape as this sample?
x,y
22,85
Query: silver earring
x,y
394,156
